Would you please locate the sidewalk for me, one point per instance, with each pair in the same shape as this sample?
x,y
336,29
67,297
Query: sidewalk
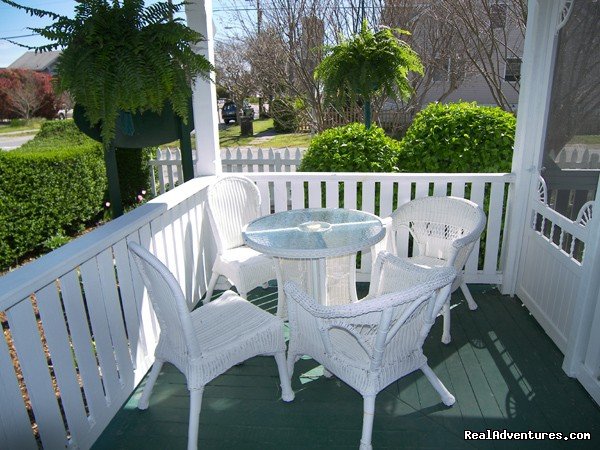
x,y
16,133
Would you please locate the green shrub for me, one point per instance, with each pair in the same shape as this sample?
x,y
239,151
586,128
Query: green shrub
x,y
459,137
285,112
134,172
351,148
47,194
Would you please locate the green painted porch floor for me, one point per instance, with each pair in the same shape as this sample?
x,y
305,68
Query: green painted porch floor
x,y
503,370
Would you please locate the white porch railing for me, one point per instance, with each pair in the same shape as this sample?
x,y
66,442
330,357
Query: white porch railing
x,y
360,191
79,323
168,172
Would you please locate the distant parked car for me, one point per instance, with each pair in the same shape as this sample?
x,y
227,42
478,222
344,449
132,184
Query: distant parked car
x,y
229,112
64,114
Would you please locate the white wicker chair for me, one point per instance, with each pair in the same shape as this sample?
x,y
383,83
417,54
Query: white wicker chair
x,y
207,342
233,201
444,232
375,341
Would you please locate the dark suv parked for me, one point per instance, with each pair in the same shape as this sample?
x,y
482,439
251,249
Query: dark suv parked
x,y
229,111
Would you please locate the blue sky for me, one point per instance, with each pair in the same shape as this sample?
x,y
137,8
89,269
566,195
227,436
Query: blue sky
x,y
14,23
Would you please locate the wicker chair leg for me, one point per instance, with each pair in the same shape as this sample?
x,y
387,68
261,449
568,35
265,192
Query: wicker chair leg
x,y
147,392
195,403
446,338
465,290
447,398
291,361
368,416
287,394
211,287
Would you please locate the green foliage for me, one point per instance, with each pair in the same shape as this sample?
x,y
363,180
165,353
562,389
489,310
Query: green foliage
x,y
351,148
459,137
285,112
134,173
123,56
368,64
56,132
49,189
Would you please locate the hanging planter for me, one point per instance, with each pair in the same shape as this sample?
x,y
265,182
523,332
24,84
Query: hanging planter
x,y
137,130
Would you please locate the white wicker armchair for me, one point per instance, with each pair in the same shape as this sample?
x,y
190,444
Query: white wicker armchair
x,y
375,341
207,342
444,232
233,201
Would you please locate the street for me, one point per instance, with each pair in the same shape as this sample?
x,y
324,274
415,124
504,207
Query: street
x,y
10,141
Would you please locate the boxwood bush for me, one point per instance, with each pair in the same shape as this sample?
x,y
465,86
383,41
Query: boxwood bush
x,y
47,191
351,148
458,137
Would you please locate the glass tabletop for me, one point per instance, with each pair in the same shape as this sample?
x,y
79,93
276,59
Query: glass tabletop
x,y
313,233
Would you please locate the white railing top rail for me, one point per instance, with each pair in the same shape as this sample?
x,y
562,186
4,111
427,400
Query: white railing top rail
x,y
363,176
20,283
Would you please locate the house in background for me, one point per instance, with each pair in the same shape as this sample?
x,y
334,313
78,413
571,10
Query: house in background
x,y
40,62
470,52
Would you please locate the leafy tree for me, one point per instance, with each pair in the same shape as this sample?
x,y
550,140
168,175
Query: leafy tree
x,y
369,64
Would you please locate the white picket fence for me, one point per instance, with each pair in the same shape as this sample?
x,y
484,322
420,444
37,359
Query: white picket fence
x,y
166,170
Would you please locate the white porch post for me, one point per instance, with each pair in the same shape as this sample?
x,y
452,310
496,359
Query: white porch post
x,y
206,118
534,98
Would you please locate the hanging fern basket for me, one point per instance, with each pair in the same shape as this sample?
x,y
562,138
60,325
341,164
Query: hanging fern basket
x,y
138,130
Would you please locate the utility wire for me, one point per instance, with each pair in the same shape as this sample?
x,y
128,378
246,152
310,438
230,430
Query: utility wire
x,y
6,38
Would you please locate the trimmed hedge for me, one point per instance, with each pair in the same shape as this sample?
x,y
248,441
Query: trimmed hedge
x,y
459,137
351,148
47,191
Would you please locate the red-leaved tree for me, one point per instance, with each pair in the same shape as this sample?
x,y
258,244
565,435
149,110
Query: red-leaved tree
x,y
26,94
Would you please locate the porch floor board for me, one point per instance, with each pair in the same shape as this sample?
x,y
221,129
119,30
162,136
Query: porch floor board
x,y
502,368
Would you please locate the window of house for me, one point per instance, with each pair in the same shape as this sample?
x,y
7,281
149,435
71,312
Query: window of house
x,y
512,70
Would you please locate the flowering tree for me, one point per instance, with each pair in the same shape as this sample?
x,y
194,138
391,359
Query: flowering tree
x,y
26,94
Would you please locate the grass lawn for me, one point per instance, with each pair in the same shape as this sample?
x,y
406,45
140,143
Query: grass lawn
x,y
230,136
21,125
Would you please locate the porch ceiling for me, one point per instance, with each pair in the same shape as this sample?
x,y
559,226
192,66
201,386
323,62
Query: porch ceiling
x,y
503,369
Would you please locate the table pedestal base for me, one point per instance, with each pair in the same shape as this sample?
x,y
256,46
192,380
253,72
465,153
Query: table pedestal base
x,y
330,281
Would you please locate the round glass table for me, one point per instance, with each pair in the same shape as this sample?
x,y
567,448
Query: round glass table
x,y
315,247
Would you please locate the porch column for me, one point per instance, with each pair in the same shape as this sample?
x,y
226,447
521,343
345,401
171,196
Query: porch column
x,y
206,117
534,100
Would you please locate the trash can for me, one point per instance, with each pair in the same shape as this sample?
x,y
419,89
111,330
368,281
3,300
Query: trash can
x,y
247,126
